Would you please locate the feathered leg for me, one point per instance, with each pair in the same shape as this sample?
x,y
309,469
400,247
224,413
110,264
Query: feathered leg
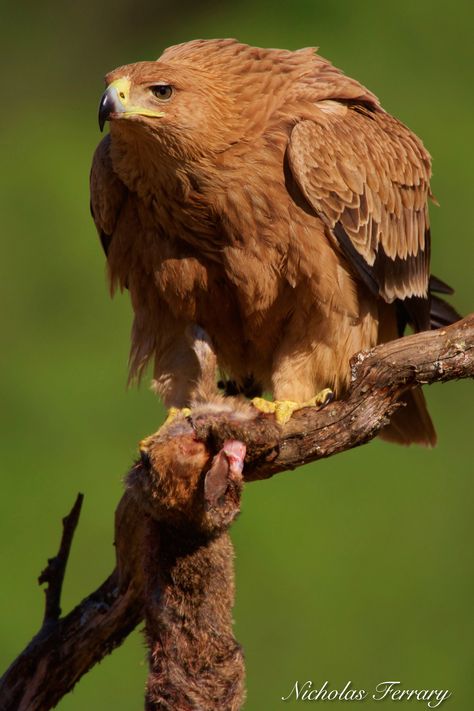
x,y
314,354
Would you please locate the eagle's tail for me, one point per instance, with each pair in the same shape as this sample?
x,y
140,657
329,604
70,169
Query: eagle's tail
x,y
411,423
441,313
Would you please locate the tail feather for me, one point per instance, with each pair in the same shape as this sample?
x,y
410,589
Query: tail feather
x,y
439,286
411,423
442,313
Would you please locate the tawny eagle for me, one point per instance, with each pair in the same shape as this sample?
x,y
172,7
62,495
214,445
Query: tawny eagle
x,y
268,198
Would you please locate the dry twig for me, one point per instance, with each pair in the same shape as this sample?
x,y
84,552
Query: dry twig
x,y
53,574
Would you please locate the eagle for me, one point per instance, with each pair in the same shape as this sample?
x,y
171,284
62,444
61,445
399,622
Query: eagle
x,y
265,197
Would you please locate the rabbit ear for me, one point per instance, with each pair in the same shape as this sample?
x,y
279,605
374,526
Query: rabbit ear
x,y
217,479
226,470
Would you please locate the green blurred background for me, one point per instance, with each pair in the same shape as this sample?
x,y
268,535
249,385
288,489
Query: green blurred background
x,y
357,568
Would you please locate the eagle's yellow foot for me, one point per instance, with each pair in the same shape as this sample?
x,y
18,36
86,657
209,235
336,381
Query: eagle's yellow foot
x,y
284,409
173,413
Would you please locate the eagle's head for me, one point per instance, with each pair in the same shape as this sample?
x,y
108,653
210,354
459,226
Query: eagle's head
x,y
203,96
185,106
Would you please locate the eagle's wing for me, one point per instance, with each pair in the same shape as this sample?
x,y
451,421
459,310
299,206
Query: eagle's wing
x,y
367,177
108,194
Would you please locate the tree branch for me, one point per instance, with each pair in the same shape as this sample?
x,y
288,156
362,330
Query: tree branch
x,y
379,377
185,484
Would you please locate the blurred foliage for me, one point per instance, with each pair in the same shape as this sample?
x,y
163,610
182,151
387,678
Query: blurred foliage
x,y
358,568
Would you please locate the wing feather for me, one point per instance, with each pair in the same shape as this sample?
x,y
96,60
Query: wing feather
x,y
367,177
108,194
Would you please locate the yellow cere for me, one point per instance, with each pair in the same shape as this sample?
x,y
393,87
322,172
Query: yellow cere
x,y
122,87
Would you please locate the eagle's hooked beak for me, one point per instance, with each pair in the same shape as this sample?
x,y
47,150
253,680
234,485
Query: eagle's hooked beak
x,y
114,100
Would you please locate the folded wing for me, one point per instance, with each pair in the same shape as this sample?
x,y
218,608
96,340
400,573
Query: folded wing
x,y
367,177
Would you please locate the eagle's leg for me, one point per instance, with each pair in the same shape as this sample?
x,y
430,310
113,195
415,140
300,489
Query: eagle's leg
x,y
317,344
302,372
204,386
185,375
185,369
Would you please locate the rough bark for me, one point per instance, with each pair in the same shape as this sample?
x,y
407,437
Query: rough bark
x,y
171,529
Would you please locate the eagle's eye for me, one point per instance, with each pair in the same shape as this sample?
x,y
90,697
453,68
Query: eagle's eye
x,y
162,91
